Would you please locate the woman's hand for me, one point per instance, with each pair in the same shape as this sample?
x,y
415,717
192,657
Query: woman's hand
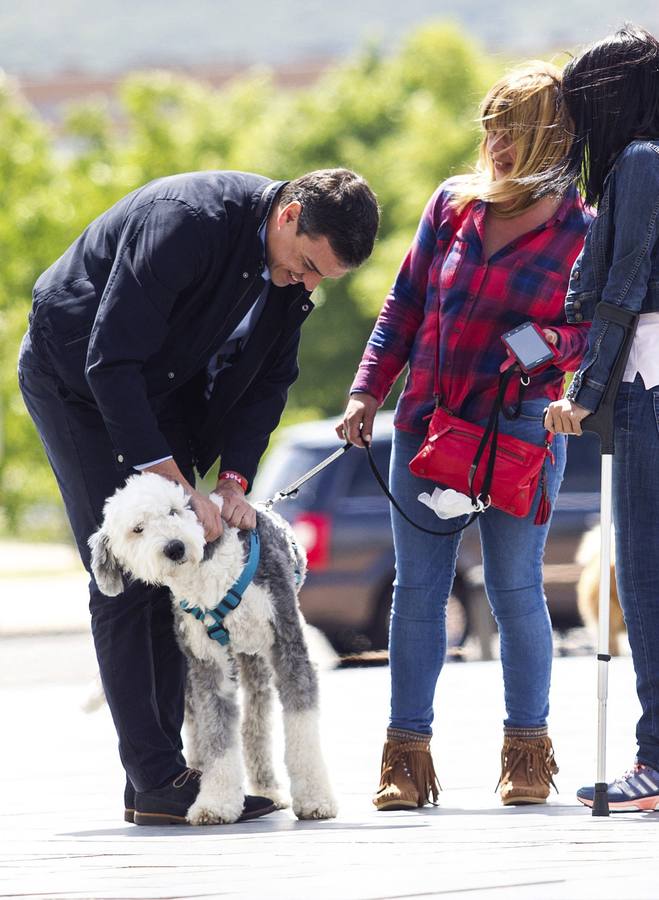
x,y
550,336
565,416
358,419
236,510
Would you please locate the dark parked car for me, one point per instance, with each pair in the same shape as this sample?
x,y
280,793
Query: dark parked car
x,y
342,518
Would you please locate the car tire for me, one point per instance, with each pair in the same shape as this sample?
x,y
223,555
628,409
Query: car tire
x,y
457,616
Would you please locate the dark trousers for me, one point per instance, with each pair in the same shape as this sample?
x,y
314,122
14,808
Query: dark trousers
x,y
142,668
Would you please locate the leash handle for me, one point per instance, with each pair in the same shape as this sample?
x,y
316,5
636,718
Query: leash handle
x,y
380,480
294,487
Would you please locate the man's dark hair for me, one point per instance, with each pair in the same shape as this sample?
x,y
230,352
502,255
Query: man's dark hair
x,y
611,93
339,205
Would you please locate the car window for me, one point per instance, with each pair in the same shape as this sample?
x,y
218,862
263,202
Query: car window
x,y
282,466
362,482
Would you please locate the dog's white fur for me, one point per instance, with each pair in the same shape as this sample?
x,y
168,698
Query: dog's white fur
x,y
141,520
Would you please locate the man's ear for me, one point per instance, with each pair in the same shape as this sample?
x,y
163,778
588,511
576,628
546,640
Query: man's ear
x,y
105,566
289,213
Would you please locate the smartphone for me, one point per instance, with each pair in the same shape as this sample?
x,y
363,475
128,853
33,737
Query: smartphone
x,y
528,345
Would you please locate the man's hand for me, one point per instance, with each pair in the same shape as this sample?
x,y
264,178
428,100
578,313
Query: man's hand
x,y
236,510
205,510
208,514
565,416
358,419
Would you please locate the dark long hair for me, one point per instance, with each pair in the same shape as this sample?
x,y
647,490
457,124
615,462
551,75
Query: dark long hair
x,y
611,93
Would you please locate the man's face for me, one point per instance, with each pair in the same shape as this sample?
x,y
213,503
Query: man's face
x,y
297,258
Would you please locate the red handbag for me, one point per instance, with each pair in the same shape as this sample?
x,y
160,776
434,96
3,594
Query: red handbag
x,y
495,469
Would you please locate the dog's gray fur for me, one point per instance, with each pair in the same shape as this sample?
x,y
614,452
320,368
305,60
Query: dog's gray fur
x,y
266,639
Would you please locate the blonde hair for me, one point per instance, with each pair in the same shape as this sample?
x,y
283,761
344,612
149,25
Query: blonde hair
x,y
523,103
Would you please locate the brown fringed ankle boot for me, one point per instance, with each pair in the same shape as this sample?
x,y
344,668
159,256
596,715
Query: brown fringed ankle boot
x,y
408,776
527,766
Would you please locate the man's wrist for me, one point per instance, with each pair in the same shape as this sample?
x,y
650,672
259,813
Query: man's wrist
x,y
231,477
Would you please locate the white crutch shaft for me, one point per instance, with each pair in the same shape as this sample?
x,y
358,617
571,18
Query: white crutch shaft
x,y
604,611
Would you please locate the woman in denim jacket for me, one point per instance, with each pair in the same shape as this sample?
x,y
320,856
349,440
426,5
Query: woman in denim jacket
x,y
611,92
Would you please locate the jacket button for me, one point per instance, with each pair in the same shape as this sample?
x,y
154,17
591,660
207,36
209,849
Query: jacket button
x,y
120,457
578,317
171,375
305,307
577,304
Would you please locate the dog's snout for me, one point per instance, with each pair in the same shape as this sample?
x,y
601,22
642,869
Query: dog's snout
x,y
174,550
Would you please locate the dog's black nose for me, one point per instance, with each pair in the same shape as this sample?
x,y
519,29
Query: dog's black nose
x,y
174,550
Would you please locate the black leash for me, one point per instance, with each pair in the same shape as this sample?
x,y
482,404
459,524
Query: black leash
x,y
291,491
380,480
491,431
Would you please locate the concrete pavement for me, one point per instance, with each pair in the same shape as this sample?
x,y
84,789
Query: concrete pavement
x,y
62,834
43,589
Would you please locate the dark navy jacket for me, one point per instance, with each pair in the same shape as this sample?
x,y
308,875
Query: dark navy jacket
x,y
133,311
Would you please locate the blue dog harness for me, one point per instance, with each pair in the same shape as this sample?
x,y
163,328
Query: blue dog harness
x,y
218,630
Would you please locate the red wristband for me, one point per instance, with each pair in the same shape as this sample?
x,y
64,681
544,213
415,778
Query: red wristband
x,y
234,476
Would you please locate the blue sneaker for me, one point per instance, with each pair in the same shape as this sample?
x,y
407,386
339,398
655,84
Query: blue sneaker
x,y
637,789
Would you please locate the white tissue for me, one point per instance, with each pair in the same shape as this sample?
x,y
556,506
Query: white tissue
x,y
447,504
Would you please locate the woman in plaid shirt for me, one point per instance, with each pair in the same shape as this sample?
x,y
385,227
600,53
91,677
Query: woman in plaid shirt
x,y
488,255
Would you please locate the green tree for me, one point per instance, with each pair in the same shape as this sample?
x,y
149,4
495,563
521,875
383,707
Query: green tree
x,y
404,121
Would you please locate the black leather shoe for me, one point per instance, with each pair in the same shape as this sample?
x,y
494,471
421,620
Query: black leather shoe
x,y
129,802
255,807
169,805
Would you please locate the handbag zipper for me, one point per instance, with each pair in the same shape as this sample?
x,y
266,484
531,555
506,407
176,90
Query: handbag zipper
x,y
500,450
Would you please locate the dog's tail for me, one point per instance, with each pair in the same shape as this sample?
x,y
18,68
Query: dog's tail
x,y
589,547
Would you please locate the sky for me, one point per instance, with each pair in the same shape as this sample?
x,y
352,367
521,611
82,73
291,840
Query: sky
x,y
41,37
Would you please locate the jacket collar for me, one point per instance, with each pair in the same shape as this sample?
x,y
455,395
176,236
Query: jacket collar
x,y
263,199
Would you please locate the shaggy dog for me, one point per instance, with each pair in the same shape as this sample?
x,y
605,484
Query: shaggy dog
x,y
151,533
588,588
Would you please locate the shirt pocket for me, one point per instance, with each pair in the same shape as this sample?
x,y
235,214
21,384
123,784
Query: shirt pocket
x,y
535,284
451,264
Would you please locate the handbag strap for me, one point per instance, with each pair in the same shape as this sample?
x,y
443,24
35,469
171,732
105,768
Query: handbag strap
x,y
491,434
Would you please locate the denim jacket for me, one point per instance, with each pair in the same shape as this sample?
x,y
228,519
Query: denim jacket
x,y
619,264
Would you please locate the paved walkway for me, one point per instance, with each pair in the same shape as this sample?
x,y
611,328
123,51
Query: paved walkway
x,y
62,834
43,589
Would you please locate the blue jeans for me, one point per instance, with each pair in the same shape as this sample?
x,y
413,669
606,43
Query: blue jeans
x,y
636,517
425,568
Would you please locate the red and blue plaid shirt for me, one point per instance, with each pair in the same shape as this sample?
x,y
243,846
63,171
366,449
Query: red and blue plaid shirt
x,y
478,301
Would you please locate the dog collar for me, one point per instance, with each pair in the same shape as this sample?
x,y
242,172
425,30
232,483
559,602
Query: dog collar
x,y
218,630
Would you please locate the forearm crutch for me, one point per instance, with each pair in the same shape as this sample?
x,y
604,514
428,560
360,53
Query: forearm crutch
x,y
602,423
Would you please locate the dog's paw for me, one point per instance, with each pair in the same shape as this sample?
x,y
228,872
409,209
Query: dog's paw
x,y
316,808
205,811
